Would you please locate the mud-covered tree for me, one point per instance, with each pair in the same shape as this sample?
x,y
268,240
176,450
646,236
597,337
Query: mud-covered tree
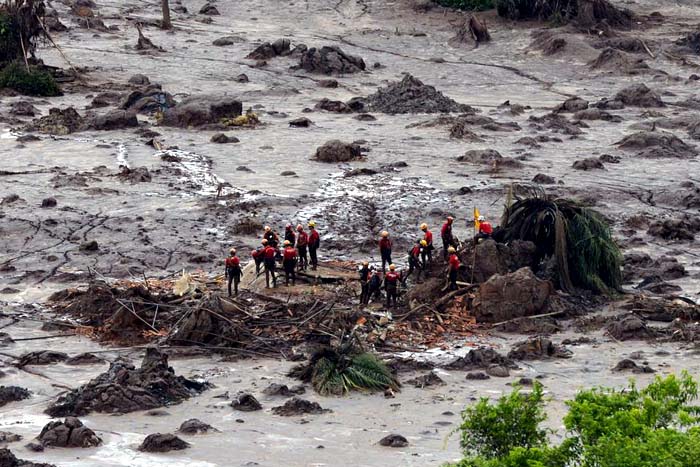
x,y
166,23
586,13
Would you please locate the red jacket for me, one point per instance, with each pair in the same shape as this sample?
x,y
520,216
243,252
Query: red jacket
x,y
415,252
259,252
446,231
454,262
485,228
384,244
233,262
392,277
302,239
428,237
269,252
289,254
314,239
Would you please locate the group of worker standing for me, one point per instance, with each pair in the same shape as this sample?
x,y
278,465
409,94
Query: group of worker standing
x,y
295,246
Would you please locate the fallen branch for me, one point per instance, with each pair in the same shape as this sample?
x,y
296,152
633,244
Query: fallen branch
x,y
544,315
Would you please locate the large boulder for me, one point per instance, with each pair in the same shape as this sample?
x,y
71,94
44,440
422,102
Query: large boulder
x,y
512,295
202,110
337,151
70,433
499,258
113,120
147,99
330,60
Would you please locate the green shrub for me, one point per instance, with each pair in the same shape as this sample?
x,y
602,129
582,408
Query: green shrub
x,y
655,426
10,47
472,5
34,82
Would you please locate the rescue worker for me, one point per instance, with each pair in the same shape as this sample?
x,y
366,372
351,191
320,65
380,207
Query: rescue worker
x,y
314,244
269,254
385,249
259,256
428,248
271,237
485,229
446,234
453,265
364,283
233,271
289,262
302,244
391,283
415,261
375,285
289,234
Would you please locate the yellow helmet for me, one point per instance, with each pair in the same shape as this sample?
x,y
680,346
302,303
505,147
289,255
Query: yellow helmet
x,y
385,233
424,226
423,243
392,267
451,249
312,224
287,243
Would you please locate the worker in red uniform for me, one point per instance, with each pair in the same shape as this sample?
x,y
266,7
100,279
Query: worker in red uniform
x,y
271,237
391,285
233,271
259,256
289,234
314,244
428,249
414,260
453,265
269,254
385,249
289,262
302,244
364,283
485,230
446,234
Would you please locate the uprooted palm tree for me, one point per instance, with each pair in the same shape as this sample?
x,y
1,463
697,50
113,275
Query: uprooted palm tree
x,y
337,371
586,13
577,238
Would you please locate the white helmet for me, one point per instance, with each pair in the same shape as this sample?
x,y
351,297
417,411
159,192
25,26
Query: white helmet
x,y
481,218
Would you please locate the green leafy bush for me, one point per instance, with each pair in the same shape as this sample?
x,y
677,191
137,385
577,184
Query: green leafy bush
x,y
472,5
651,427
34,82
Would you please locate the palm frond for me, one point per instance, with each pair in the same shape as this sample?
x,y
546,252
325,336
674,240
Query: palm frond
x,y
334,373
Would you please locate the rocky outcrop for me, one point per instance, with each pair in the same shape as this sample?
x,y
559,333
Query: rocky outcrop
x,y
330,60
512,295
70,433
202,110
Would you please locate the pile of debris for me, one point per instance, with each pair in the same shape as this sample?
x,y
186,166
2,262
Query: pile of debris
x,y
410,95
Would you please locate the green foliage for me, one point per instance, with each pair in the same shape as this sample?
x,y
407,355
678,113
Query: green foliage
x,y
10,48
537,9
34,82
494,430
652,427
577,237
335,373
470,5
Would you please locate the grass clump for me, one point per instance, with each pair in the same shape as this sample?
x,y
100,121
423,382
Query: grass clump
x,y
32,82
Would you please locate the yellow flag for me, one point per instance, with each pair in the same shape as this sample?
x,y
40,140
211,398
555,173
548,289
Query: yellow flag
x,y
477,224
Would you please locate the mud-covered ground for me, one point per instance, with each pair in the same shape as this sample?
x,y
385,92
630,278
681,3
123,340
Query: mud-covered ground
x,y
156,226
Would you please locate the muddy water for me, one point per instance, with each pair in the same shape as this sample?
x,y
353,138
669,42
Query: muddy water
x,y
157,227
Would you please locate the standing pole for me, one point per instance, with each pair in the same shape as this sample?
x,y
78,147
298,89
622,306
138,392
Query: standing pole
x,y
474,242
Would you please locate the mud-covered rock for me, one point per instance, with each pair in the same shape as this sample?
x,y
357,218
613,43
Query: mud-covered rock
x,y
639,95
163,442
124,388
690,43
338,151
297,406
538,348
90,245
264,51
202,110
543,179
49,202
629,327
480,358
557,123
590,163
12,394
572,104
147,100
246,403
332,106
477,376
209,9
84,359
428,380
113,120
221,138
641,265
328,83
275,389
657,144
7,459
618,62
70,433
301,122
394,441
194,426
512,295
23,109
498,371
596,114
499,258
330,60
683,228
9,437
227,40
41,357
410,95
139,80
629,365
489,157
57,122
